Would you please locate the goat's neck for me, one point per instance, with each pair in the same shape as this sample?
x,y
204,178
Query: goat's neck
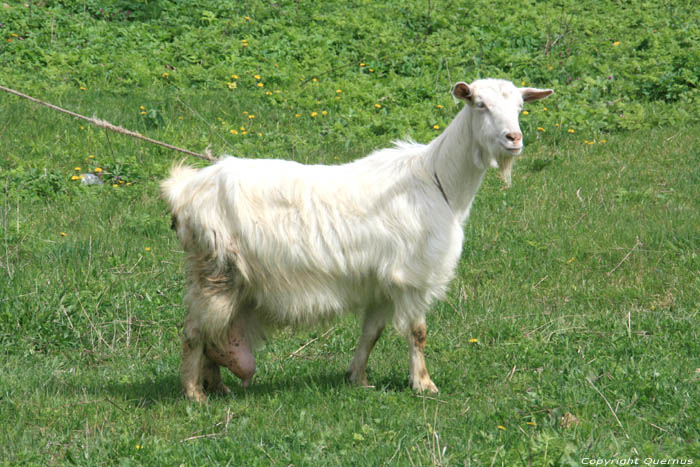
x,y
456,160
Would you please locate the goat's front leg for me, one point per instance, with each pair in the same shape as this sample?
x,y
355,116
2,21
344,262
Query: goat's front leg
x,y
419,377
372,327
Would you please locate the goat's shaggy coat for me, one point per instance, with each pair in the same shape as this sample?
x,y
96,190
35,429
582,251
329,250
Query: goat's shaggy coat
x,y
275,243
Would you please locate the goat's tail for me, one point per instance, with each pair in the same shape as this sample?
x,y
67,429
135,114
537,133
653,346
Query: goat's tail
x,y
173,188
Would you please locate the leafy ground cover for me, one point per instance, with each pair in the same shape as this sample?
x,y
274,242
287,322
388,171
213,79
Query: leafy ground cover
x,y
570,333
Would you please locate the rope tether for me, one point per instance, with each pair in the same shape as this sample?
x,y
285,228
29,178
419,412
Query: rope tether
x,y
106,125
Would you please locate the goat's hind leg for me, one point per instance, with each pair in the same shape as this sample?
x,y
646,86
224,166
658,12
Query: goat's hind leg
x,y
372,327
211,377
191,368
419,377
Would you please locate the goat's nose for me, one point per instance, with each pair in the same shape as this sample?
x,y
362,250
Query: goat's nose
x,y
514,137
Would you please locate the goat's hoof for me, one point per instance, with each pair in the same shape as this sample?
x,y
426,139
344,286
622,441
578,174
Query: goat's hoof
x,y
196,395
357,380
215,387
424,385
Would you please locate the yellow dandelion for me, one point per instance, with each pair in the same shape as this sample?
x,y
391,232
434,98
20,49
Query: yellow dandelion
x,y
324,113
75,177
257,77
571,130
165,75
260,85
234,132
245,112
522,84
77,169
83,88
544,108
362,64
297,115
314,114
473,340
242,128
234,76
259,134
268,93
315,80
377,106
142,108
531,423
121,182
63,234
148,248
371,70
143,112
556,125
571,260
550,67
338,91
98,170
439,106
244,133
616,43
247,18
501,427
539,128
251,116
91,156
525,112
436,127
602,141
115,186
245,44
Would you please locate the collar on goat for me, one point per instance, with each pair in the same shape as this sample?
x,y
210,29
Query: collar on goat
x,y
439,185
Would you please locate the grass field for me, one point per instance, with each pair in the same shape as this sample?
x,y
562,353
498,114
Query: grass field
x,y
570,333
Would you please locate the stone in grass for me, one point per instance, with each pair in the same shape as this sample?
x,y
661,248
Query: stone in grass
x,y
90,179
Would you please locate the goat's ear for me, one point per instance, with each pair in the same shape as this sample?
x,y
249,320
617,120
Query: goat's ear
x,y
532,94
462,91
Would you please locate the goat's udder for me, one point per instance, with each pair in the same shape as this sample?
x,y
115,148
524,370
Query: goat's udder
x,y
237,356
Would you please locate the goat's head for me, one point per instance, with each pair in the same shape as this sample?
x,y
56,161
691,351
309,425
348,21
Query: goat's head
x,y
495,105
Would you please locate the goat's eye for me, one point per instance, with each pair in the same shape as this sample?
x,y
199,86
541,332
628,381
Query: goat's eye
x,y
480,105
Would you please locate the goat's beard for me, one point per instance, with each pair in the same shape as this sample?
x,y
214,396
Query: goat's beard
x,y
505,166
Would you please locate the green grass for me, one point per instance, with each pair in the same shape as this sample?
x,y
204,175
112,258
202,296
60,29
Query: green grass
x,y
581,283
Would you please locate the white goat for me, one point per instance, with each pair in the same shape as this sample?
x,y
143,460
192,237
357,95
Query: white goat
x,y
275,243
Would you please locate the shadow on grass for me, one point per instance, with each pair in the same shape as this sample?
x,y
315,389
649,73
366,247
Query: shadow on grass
x,y
168,389
148,390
